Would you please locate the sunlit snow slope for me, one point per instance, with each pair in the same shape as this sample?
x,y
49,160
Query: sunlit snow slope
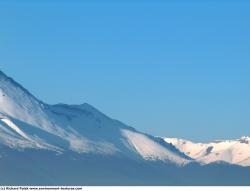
x,y
231,151
42,144
27,123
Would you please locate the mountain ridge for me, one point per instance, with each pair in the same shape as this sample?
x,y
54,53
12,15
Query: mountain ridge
x,y
84,128
232,151
62,144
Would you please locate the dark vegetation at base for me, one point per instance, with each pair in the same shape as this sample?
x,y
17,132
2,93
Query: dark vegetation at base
x,y
46,168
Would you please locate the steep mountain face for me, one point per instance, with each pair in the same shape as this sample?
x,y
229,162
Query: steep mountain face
x,y
230,151
26,122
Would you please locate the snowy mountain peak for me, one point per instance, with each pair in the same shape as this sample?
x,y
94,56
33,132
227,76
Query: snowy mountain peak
x,y
16,102
231,151
245,139
27,123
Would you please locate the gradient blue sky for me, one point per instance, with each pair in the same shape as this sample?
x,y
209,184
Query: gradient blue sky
x,y
171,69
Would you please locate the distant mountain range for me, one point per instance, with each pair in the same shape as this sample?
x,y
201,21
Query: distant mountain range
x,y
230,151
43,144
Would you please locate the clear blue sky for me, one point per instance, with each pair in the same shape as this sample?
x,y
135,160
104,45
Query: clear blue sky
x,y
169,69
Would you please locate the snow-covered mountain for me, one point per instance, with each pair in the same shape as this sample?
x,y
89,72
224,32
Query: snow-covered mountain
x,y
26,122
230,151
42,144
